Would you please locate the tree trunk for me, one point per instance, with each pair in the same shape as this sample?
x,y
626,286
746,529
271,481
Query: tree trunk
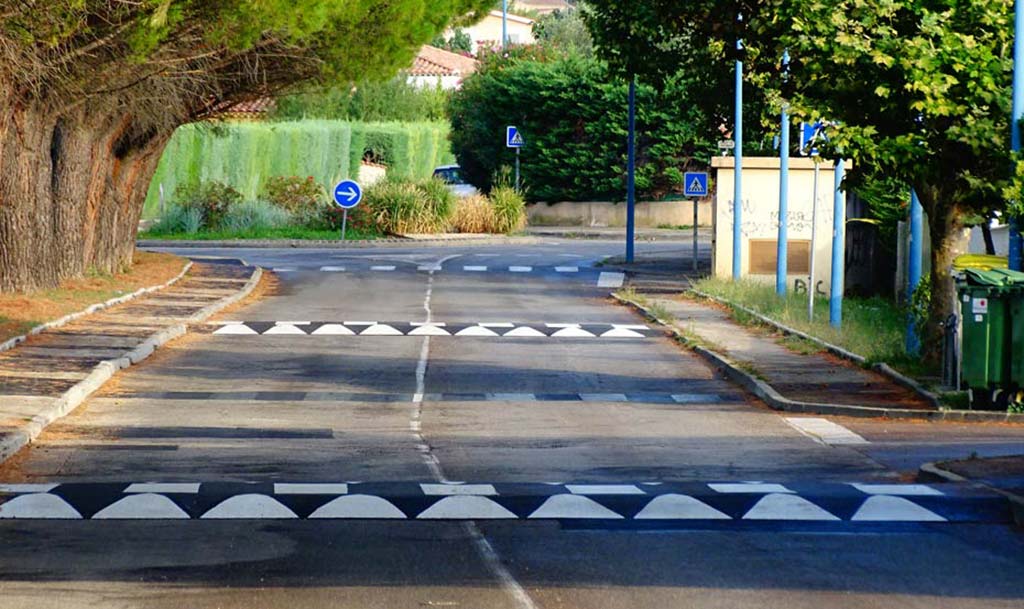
x,y
71,192
950,238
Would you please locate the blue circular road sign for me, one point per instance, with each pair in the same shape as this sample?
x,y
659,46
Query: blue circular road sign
x,y
347,194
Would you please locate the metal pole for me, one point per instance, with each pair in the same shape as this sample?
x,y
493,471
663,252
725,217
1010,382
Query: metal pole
x,y
814,241
344,223
737,188
504,24
517,169
1018,114
631,172
916,255
835,300
695,234
782,247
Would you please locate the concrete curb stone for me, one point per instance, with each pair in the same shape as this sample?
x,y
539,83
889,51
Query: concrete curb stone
x,y
14,441
776,401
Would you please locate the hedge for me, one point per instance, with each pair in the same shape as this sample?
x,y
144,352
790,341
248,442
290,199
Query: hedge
x,y
245,155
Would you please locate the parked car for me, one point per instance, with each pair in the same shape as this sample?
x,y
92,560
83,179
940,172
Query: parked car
x,y
452,176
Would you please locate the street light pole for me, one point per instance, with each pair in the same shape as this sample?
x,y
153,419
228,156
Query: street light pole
x,y
631,172
504,24
782,250
1018,114
737,189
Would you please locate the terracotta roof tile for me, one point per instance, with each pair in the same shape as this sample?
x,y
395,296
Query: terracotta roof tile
x,y
432,61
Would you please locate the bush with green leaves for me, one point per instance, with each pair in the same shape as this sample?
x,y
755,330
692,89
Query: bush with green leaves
x,y
212,199
295,194
573,116
401,206
391,100
509,209
253,216
178,220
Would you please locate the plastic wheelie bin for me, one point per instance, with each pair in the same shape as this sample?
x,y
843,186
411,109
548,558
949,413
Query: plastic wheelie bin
x,y
988,299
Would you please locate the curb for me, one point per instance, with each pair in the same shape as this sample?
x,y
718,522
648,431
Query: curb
x,y
883,368
78,393
13,342
777,401
334,244
931,471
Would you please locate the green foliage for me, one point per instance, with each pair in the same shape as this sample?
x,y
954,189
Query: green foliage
x,y
246,154
573,117
920,304
458,42
566,32
391,100
178,220
509,210
400,206
212,199
295,194
255,216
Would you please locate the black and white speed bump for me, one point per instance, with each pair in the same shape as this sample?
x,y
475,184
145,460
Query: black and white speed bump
x,y
713,502
382,328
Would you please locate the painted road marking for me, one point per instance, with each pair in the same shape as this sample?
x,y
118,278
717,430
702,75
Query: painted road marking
x,y
381,328
386,267
474,269
340,396
610,280
284,269
567,269
520,269
333,269
190,488
815,502
825,431
903,490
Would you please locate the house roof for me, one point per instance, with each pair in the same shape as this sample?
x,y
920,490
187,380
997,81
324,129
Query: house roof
x,y
432,61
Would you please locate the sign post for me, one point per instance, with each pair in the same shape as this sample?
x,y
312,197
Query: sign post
x,y
347,194
514,139
809,135
695,186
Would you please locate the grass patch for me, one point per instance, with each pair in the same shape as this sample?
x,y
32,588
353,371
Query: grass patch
x,y
872,327
21,312
675,226
284,232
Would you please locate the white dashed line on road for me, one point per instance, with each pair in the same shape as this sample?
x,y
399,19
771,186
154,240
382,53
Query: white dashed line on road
x,y
382,268
567,269
333,269
610,280
824,431
475,269
520,269
284,269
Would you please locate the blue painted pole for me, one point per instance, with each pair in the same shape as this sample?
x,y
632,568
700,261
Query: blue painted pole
x,y
631,172
504,24
1018,114
916,255
782,253
737,189
835,300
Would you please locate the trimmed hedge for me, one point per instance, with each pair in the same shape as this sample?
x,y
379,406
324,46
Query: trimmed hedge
x,y
245,155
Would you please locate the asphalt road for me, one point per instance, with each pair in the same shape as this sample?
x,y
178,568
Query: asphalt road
x,y
298,407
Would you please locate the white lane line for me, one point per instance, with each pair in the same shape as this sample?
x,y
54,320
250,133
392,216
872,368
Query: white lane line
x,y
284,269
386,267
284,488
824,431
475,269
429,267
604,397
333,269
610,280
520,269
903,490
500,571
486,255
27,488
748,487
604,489
567,269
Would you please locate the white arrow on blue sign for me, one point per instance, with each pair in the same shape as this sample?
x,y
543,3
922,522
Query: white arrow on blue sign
x,y
348,194
695,184
513,139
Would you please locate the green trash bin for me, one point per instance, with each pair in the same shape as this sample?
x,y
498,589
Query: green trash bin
x,y
992,308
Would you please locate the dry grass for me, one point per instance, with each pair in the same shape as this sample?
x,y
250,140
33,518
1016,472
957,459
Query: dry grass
x,y
20,312
473,215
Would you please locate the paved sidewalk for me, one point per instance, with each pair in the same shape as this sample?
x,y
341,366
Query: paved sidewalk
x,y
46,376
816,377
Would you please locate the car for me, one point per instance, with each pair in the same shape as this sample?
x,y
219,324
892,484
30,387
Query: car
x,y
452,176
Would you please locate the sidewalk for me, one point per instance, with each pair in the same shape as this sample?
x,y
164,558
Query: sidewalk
x,y
814,378
51,373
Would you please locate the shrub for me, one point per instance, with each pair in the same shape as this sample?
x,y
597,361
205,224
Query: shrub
x,y
359,219
401,206
438,198
212,200
255,216
473,215
178,219
295,194
509,210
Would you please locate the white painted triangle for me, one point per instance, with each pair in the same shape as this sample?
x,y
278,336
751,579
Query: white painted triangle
x,y
476,331
466,507
886,508
621,333
358,506
381,330
284,329
429,331
572,333
681,507
38,505
250,505
778,506
235,329
525,331
334,330
144,506
573,506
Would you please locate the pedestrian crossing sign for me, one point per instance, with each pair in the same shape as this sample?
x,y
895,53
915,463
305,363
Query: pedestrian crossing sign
x,y
695,184
513,139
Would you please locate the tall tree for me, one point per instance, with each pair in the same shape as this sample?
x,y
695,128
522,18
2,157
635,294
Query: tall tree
x,y
90,91
918,90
